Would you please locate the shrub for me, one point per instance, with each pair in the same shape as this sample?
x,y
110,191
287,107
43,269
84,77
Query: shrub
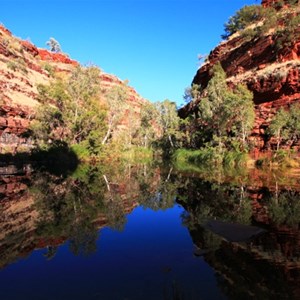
x,y
243,18
50,69
12,65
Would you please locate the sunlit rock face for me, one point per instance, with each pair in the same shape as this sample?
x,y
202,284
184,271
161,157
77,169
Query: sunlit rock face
x,y
272,75
23,66
272,3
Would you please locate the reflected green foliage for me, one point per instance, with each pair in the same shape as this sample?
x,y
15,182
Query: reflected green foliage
x,y
68,207
255,268
72,207
285,208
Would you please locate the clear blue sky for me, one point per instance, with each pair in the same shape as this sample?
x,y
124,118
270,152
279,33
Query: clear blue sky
x,y
152,43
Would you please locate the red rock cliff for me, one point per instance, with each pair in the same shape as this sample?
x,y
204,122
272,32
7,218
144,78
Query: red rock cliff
x,y
23,67
271,74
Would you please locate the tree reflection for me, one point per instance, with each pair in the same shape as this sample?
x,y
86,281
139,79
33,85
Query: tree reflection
x,y
95,196
267,266
284,208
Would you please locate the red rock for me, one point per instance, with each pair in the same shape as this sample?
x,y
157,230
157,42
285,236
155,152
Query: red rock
x,y
27,46
56,57
273,77
3,122
5,30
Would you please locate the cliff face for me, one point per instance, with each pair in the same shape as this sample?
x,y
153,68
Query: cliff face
x,y
271,73
23,67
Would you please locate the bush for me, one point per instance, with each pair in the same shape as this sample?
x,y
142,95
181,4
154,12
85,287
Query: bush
x,y
47,67
12,66
243,18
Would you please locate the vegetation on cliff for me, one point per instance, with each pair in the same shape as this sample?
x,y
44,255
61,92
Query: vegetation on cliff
x,y
255,21
231,111
223,121
77,110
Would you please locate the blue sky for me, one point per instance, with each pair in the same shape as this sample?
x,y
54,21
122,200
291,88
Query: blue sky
x,y
152,43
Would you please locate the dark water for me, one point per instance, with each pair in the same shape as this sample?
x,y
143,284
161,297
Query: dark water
x,y
138,232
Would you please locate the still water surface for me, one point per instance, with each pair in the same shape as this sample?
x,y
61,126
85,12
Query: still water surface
x,y
137,232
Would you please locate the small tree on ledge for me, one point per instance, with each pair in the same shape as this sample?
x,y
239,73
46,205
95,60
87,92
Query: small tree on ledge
x,y
54,45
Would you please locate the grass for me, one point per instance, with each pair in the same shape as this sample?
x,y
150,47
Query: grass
x,y
210,156
281,159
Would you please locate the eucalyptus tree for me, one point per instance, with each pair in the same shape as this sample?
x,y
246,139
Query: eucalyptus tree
x,y
278,126
169,122
225,113
83,112
54,45
149,127
116,99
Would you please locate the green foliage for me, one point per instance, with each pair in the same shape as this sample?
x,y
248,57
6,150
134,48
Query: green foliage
x,y
192,93
285,126
263,20
285,209
278,126
243,18
169,123
242,113
116,99
71,111
43,127
12,65
50,69
210,157
138,155
17,65
225,115
149,124
288,34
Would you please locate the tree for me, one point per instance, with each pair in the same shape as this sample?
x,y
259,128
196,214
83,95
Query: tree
x,y
278,126
149,120
192,93
242,111
214,108
54,45
84,115
116,101
80,117
244,17
225,114
169,122
48,119
294,122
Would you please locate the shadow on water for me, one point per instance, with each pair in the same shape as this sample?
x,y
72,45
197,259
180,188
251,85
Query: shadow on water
x,y
58,160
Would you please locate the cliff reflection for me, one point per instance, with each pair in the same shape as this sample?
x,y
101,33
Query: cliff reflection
x,y
267,267
43,210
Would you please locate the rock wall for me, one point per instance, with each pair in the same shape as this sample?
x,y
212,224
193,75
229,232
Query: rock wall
x,y
23,67
272,75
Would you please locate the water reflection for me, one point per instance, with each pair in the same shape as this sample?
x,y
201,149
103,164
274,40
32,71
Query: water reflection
x,y
268,267
54,212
